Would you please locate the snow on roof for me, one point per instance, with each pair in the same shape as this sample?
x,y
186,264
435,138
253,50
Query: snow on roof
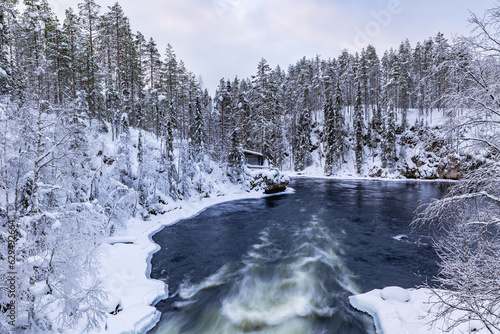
x,y
252,152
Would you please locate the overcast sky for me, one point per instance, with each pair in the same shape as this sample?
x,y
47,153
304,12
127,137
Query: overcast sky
x,y
227,38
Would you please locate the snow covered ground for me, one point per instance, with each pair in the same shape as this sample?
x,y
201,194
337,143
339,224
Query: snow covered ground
x,y
406,311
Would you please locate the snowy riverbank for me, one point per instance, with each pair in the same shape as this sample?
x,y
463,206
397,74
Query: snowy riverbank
x,y
126,268
406,311
126,271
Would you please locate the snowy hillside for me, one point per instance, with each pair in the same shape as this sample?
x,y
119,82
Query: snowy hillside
x,y
422,152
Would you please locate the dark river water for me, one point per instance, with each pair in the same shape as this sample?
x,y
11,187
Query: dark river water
x,y
288,263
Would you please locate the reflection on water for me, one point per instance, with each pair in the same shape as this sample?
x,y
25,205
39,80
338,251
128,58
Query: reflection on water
x,y
297,290
287,264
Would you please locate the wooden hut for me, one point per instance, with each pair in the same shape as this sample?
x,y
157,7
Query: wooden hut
x,y
253,158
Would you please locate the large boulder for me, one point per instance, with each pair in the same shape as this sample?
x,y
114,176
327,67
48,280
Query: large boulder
x,y
271,181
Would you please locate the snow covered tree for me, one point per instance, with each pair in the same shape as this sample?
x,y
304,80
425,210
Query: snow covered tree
x,y
152,65
340,134
303,145
222,105
89,14
6,70
71,76
235,158
405,82
467,219
334,133
358,130
329,135
197,130
467,225
389,144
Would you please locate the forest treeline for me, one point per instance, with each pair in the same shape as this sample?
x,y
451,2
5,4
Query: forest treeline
x,y
93,63
358,96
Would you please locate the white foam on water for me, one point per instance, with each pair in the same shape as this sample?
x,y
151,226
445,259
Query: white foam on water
x,y
270,296
187,290
401,237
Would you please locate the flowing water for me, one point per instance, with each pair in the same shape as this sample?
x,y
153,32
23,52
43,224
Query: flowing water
x,y
288,263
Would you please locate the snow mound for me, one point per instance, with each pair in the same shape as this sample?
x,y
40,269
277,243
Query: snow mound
x,y
408,311
391,315
395,293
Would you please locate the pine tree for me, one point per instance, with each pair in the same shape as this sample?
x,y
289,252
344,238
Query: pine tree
x,y
89,14
197,133
138,83
72,77
340,135
405,81
329,135
235,158
222,104
152,66
390,137
358,129
373,64
441,53
275,150
304,128
263,102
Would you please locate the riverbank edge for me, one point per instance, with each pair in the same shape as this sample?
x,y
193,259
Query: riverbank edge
x,y
126,258
363,178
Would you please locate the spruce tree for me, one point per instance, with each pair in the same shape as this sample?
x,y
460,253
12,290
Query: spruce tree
x,y
358,130
329,135
235,158
197,130
89,14
390,137
340,135
304,128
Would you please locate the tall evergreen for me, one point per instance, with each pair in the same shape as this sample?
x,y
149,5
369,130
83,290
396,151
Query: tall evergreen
x,y
358,129
152,65
340,133
263,102
89,14
329,135
235,158
197,133
390,137
303,158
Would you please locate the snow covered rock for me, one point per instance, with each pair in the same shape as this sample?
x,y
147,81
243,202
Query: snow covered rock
x,y
269,180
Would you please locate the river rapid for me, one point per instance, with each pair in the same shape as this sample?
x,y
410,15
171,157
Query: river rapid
x,y
288,263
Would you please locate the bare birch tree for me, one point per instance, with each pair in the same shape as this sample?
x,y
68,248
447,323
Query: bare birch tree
x,y
466,222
